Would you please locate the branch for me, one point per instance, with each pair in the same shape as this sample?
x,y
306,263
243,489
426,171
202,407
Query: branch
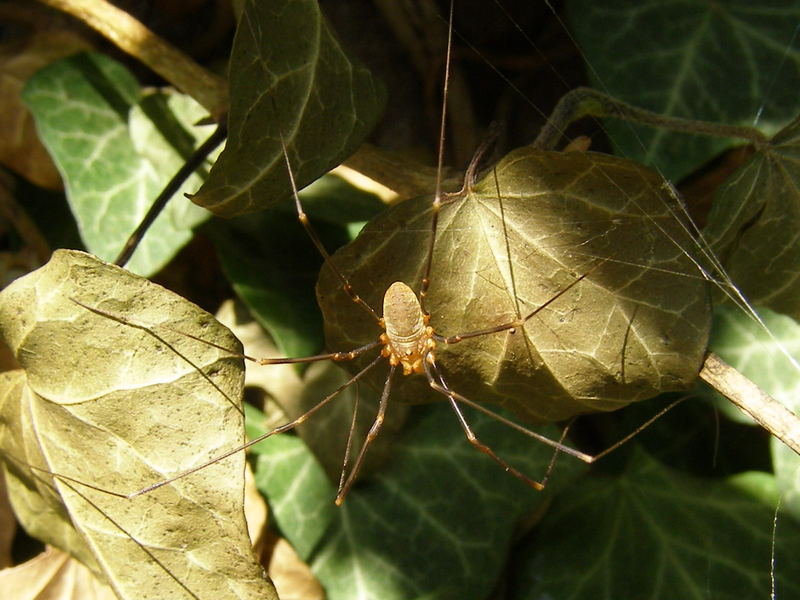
x,y
210,90
765,410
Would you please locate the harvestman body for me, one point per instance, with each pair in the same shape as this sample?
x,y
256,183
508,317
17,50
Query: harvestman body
x,y
408,340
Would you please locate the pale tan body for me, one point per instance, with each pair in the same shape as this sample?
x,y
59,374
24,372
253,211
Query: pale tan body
x,y
407,340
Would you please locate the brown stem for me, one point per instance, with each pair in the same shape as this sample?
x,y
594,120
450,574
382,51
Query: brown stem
x,y
768,412
132,37
585,102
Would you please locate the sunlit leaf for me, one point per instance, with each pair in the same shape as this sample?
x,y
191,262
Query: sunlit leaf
x,y
107,403
300,87
754,221
635,326
725,61
108,141
654,533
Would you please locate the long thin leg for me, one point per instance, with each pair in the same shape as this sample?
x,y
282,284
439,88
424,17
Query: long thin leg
x,y
336,356
441,387
437,382
473,439
556,454
281,429
639,429
373,433
349,445
437,197
303,218
69,481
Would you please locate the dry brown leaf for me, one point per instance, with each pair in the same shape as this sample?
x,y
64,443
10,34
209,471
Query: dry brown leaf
x,y
292,577
53,575
20,148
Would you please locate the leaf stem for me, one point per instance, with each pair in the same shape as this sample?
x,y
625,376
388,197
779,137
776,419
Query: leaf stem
x,y
586,102
768,412
210,90
197,158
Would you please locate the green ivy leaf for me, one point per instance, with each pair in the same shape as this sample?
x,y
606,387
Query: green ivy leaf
x,y
695,60
655,533
753,223
302,87
116,149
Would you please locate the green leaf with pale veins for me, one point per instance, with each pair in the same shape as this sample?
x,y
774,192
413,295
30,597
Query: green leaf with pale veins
x,y
733,62
113,398
754,222
300,87
116,149
635,326
655,533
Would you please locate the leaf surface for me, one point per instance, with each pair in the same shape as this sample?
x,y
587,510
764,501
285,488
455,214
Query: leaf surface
x,y
722,61
118,407
636,325
754,222
655,533
116,148
300,87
